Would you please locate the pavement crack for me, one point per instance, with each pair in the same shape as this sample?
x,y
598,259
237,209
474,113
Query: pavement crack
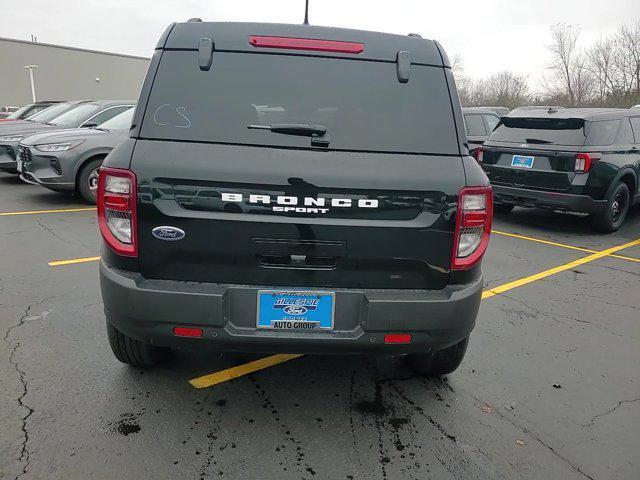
x,y
55,235
611,410
24,449
556,317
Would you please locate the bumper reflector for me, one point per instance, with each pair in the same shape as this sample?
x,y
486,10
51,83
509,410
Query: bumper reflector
x,y
397,338
187,332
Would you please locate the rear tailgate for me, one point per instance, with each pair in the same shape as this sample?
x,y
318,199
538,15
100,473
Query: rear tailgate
x,y
534,152
551,169
373,206
405,241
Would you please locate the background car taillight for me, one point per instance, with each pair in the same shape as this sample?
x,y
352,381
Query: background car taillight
x,y
585,160
473,226
479,154
117,210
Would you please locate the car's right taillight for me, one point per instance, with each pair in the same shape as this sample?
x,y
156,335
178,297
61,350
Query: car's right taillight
x,y
479,154
117,210
473,226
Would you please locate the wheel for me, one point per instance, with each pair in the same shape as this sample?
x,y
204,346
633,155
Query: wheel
x,y
438,363
615,210
132,351
87,181
503,208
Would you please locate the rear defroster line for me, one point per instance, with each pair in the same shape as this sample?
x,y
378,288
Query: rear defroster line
x,y
241,370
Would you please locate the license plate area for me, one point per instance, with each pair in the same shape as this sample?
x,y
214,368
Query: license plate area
x,y
522,161
299,310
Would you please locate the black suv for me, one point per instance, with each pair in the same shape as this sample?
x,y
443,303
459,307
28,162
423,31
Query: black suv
x,y
582,160
293,189
479,123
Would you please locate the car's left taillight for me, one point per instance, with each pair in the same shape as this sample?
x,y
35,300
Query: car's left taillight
x,y
473,226
117,210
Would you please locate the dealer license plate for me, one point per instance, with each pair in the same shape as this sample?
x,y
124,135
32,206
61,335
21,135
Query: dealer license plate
x,y
295,310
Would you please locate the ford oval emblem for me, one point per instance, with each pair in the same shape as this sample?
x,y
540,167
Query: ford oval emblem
x,y
170,234
295,310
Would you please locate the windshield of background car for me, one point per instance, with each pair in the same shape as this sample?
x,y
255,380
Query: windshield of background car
x,y
188,104
119,122
20,112
76,116
50,113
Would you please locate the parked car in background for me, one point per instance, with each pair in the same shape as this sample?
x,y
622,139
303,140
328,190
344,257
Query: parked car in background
x,y
43,116
82,115
29,110
69,160
6,111
582,160
501,111
479,123
529,108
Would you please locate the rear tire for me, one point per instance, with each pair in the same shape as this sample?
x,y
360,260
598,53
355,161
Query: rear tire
x,y
615,211
87,181
438,363
503,208
134,352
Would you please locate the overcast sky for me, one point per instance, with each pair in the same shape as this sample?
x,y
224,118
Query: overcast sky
x,y
489,35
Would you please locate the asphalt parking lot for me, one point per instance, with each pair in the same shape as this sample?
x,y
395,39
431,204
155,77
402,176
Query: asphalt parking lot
x,y
550,387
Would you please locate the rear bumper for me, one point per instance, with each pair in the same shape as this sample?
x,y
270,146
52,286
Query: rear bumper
x,y
148,310
556,200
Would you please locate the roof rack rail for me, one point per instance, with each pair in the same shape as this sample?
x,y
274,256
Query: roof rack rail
x,y
194,20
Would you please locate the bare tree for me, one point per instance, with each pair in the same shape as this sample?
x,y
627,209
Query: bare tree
x,y
601,64
568,68
628,39
506,89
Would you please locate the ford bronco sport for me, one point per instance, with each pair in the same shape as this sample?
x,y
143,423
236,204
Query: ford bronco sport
x,y
294,189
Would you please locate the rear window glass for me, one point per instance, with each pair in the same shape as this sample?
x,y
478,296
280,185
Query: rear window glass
x,y
492,121
258,89
541,130
475,125
571,131
602,132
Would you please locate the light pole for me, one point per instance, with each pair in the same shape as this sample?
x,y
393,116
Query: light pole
x,y
33,86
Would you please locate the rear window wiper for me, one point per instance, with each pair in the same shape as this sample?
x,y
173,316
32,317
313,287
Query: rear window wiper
x,y
316,132
537,140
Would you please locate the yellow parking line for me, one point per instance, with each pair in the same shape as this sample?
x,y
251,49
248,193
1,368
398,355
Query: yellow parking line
x,y
552,271
240,370
562,245
58,263
60,210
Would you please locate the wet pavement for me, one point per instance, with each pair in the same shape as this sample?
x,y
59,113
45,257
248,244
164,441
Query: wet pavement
x,y
550,386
